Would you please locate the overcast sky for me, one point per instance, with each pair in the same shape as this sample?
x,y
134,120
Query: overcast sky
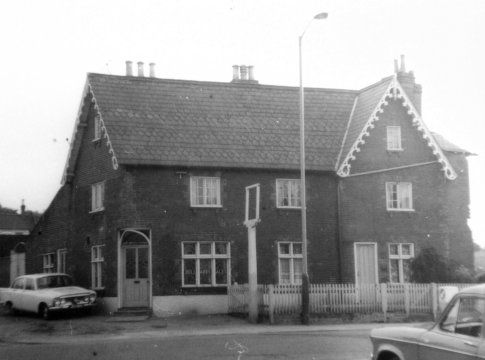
x,y
48,46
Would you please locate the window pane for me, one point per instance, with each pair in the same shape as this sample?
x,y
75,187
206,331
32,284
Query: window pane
x,y
393,249
285,249
394,271
285,271
221,271
406,249
205,248
406,268
143,263
189,248
297,270
189,272
130,254
297,249
205,272
221,248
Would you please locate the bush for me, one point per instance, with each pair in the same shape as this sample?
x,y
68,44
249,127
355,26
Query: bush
x,y
430,266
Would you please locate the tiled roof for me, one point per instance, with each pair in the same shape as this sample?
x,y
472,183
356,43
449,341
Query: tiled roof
x,y
448,146
15,222
189,123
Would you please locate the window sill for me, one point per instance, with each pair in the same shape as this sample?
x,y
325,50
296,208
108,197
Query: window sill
x,y
395,150
94,141
206,206
401,210
288,208
97,211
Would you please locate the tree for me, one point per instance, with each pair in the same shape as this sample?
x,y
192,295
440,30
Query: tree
x,y
430,266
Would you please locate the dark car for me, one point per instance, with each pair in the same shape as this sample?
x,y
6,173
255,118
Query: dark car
x,y
458,334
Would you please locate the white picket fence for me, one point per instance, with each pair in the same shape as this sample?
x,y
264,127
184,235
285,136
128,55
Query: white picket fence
x,y
341,298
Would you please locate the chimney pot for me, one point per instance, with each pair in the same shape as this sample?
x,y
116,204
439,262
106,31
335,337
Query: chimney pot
x,y
251,72
140,68
152,70
244,72
235,72
129,68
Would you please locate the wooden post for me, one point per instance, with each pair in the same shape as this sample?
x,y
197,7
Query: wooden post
x,y
271,299
384,300
434,301
253,275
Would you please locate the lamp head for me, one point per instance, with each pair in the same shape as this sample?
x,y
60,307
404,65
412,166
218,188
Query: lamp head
x,y
321,16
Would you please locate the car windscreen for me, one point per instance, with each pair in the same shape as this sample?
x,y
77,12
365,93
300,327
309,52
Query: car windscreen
x,y
53,281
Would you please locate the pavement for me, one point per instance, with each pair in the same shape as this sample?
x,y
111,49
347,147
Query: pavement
x,y
28,329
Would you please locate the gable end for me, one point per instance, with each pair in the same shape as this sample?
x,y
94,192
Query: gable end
x,y
395,91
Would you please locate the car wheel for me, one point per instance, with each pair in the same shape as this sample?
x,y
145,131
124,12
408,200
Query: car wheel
x,y
9,309
44,312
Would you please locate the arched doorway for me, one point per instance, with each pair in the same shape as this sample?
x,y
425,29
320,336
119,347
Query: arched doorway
x,y
135,268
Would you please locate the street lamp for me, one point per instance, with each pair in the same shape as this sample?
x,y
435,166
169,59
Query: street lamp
x,y
305,291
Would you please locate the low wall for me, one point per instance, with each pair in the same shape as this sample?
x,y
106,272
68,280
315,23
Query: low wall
x,y
164,306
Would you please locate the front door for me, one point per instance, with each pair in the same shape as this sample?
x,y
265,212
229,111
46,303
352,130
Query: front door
x,y
135,274
365,263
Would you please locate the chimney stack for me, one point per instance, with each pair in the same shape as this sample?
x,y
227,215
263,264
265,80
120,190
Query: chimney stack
x,y
408,82
129,68
22,208
243,74
152,70
140,69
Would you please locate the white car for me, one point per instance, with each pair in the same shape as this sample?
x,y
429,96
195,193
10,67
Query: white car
x,y
45,294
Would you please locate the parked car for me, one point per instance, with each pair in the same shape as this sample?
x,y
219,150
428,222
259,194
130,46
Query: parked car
x,y
457,334
46,294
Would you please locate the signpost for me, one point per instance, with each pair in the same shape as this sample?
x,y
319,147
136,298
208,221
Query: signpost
x,y
251,219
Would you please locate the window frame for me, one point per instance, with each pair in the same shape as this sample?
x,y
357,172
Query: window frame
x,y
400,258
403,191
97,196
394,138
48,263
194,196
213,257
292,256
287,185
97,262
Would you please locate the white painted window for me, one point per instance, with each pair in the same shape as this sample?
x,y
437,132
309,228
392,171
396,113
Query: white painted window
x,y
48,262
400,256
205,191
61,260
399,196
394,138
97,196
97,261
206,263
290,262
97,128
288,194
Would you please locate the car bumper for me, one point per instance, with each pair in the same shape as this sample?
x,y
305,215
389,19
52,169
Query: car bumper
x,y
70,306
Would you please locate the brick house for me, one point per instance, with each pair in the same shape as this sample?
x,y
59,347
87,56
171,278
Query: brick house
x,y
151,208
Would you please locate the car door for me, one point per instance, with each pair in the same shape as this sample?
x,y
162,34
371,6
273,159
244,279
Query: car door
x,y
28,300
16,293
459,334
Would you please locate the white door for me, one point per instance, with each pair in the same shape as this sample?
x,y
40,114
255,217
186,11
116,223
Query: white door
x,y
365,263
136,279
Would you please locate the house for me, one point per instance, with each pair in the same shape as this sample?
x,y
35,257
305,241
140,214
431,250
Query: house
x,y
14,232
152,203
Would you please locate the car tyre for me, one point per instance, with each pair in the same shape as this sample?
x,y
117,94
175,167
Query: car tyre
x,y
44,312
9,309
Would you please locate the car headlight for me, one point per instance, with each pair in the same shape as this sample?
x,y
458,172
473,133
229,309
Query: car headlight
x,y
92,298
56,302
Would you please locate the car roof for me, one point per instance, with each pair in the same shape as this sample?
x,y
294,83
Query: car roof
x,y
474,290
37,276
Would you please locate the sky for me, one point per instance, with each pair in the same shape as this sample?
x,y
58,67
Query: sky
x,y
48,47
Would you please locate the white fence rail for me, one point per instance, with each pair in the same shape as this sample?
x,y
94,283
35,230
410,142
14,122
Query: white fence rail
x,y
341,298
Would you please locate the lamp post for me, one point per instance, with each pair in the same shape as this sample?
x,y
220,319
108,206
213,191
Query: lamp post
x,y
305,291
